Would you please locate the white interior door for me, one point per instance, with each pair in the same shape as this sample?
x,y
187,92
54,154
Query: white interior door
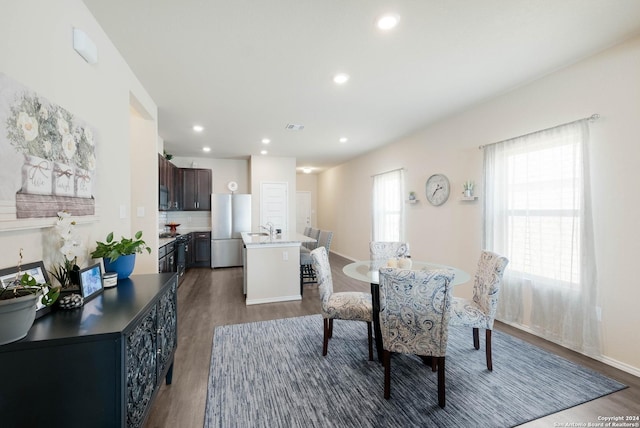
x,y
303,210
274,204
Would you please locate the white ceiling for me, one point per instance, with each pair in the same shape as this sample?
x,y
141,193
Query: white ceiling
x,y
245,69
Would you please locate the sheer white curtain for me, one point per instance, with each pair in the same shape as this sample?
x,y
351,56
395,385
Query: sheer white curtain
x,y
388,206
537,213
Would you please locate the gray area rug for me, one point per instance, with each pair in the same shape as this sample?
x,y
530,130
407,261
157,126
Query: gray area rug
x,y
272,374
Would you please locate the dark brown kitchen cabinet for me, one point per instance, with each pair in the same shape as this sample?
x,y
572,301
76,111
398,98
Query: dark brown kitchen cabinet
x,y
103,362
170,192
167,258
196,189
202,249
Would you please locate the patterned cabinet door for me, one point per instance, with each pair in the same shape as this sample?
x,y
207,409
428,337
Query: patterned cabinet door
x,y
167,328
141,368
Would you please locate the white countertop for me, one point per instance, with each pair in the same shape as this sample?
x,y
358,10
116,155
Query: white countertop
x,y
258,239
169,239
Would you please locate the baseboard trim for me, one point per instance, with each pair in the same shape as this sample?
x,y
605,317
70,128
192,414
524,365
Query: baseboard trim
x,y
250,302
343,256
635,371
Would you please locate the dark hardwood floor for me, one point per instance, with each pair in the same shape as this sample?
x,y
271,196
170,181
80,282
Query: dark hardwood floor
x,y
208,298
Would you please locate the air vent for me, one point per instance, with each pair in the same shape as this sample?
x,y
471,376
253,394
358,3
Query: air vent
x,y
294,127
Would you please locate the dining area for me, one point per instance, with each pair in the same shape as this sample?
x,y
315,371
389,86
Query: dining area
x,y
410,305
268,368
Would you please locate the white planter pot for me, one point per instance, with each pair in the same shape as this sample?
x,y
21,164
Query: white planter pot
x,y
16,317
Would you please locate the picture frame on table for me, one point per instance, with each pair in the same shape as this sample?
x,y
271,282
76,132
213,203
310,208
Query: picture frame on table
x,y
11,276
91,281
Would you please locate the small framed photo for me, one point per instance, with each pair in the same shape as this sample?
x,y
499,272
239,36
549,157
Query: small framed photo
x,y
10,277
90,281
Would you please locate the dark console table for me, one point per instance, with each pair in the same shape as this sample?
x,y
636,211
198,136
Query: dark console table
x,y
98,366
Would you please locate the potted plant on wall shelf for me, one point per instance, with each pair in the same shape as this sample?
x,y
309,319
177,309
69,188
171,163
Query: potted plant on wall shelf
x,y
120,256
18,303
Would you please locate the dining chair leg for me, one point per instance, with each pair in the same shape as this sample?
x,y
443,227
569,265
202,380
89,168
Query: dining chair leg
x,y
375,300
434,364
487,346
301,279
370,341
441,386
386,360
325,339
330,328
476,338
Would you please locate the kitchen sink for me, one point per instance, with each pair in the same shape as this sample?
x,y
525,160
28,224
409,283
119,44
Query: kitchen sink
x,y
258,234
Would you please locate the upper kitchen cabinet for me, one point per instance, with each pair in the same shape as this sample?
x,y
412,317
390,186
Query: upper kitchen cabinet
x,y
196,189
170,191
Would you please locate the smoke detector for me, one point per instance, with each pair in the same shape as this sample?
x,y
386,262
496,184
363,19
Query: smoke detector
x,y
294,127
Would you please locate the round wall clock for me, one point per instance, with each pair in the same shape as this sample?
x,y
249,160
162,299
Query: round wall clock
x,y
232,185
437,189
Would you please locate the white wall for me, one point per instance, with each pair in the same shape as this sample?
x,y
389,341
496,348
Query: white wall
x,y
144,204
607,84
36,50
223,171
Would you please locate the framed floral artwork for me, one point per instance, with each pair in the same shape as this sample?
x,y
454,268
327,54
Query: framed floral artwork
x,y
47,157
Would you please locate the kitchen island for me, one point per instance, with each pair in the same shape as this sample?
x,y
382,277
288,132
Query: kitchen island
x,y
272,267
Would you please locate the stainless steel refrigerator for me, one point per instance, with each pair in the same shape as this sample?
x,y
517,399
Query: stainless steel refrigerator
x,y
230,215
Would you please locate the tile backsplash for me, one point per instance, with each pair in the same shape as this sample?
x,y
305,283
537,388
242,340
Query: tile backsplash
x,y
189,221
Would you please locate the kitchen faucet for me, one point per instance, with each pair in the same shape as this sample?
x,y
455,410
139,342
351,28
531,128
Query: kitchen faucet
x,y
270,228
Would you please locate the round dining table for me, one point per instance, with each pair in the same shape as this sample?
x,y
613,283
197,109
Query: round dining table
x,y
364,271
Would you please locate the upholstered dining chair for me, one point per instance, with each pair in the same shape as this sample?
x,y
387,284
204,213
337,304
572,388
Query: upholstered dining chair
x,y
346,305
305,246
381,251
307,274
415,307
480,312
379,254
315,234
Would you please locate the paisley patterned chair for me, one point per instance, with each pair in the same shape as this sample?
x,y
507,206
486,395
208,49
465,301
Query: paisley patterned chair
x,y
480,312
380,252
414,318
350,305
307,274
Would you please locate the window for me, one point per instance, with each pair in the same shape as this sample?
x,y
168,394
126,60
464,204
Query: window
x,y
537,213
543,198
388,206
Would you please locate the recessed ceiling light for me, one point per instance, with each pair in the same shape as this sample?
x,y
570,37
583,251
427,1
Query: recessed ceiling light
x,y
266,141
343,139
206,149
198,128
263,152
387,22
341,78
306,170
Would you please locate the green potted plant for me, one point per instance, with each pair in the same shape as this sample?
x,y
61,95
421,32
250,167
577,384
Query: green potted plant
x,y
18,303
468,188
120,256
